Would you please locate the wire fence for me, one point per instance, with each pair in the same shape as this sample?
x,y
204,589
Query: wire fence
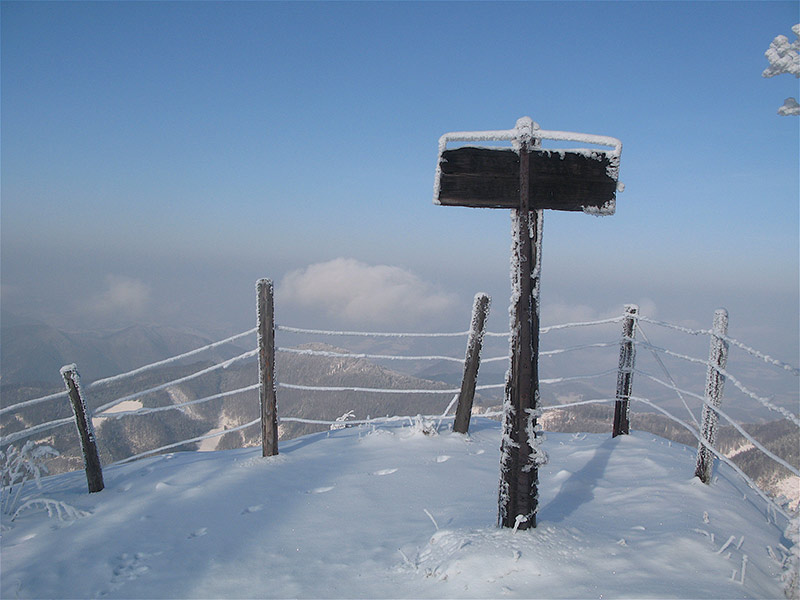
x,y
117,409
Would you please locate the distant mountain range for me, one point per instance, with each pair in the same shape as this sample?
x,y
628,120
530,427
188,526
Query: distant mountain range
x,y
32,354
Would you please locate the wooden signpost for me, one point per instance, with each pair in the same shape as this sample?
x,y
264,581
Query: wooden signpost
x,y
526,179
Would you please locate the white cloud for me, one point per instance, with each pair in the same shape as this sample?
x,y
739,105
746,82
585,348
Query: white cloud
x,y
354,292
123,296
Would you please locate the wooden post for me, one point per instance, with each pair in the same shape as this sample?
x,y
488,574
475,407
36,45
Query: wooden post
x,y
91,458
627,356
266,368
472,361
526,179
520,452
715,381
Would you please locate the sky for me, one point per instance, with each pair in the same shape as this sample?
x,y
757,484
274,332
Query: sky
x,y
160,157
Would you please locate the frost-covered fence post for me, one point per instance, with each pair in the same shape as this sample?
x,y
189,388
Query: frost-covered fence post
x,y
472,361
627,356
715,382
526,179
266,367
91,458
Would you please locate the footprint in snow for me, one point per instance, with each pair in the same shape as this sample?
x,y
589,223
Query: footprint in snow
x,y
442,458
253,509
385,472
321,490
128,567
198,533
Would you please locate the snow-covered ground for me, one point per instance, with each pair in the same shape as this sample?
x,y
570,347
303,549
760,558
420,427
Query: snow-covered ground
x,y
392,512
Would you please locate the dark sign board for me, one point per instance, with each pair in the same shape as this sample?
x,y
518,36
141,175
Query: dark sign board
x,y
559,179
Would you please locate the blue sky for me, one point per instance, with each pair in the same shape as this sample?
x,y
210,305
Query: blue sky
x,y
158,158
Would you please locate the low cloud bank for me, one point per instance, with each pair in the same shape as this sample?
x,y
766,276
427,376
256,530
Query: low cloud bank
x,y
124,296
352,292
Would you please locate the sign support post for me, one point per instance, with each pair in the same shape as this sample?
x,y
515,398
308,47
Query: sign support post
x,y
527,180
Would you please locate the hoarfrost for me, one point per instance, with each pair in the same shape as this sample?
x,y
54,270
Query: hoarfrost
x,y
789,108
784,57
537,457
340,421
55,508
791,566
18,467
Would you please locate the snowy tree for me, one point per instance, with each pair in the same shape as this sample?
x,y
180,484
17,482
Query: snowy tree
x,y
783,57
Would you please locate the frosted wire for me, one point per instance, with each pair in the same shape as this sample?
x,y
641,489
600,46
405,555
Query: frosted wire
x,y
676,327
556,351
763,401
495,359
172,359
575,377
765,357
18,435
367,333
581,347
447,410
581,324
666,372
362,389
314,388
136,371
189,441
147,411
19,405
721,457
735,425
362,421
311,331
361,355
579,403
222,365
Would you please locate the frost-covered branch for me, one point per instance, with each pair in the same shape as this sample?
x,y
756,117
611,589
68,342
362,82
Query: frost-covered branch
x,y
17,466
55,508
784,57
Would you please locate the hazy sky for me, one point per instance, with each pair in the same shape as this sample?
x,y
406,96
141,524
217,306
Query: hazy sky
x,y
158,158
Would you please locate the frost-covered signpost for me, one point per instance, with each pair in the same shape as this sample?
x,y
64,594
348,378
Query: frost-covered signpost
x,y
526,179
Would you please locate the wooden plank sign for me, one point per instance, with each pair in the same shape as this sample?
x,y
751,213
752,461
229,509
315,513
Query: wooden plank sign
x,y
526,179
559,180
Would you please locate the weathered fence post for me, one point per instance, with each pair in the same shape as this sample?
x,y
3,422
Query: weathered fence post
x,y
627,356
91,458
266,367
472,361
715,381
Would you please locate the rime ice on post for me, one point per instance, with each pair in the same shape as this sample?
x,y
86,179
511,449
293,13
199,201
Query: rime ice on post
x,y
526,179
715,382
472,361
627,352
266,367
91,458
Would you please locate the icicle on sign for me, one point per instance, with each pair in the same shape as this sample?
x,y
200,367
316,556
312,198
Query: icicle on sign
x,y
526,179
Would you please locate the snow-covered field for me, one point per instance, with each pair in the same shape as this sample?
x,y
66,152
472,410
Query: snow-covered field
x,y
392,512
